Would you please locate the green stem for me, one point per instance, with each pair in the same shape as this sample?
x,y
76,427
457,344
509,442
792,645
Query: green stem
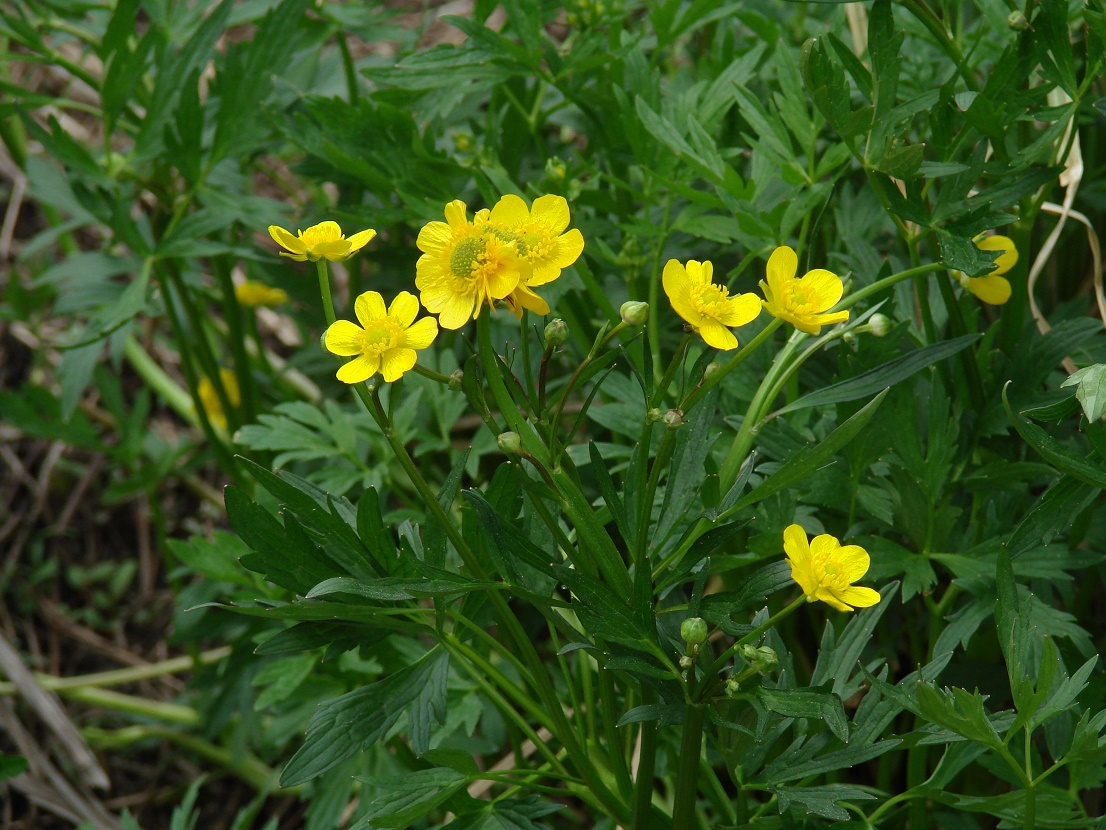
x,y
887,282
156,378
646,768
609,703
707,384
118,677
753,635
687,775
324,290
653,323
134,705
677,360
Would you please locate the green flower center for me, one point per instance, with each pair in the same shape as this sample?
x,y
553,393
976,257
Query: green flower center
x,y
466,252
380,336
709,299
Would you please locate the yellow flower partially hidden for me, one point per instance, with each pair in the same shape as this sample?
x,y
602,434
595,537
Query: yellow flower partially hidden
x,y
386,341
801,301
322,241
993,288
540,239
707,307
255,293
826,570
209,398
464,265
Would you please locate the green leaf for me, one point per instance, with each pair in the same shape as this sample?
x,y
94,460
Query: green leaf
x,y
960,711
773,577
821,800
809,459
281,678
355,721
882,377
803,703
1053,451
429,707
11,766
216,558
960,253
666,713
434,535
610,495
839,663
1091,389
410,797
1056,510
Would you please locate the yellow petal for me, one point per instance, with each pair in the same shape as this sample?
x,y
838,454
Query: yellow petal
x,y
718,336
831,598
859,596
991,289
782,266
569,247
823,545
344,338
286,240
552,212
368,307
456,214
795,543
335,250
503,280
404,308
698,273
433,237
360,240
829,319
1009,257
421,334
509,212
360,369
522,297
676,283
394,362
740,310
457,310
852,562
825,285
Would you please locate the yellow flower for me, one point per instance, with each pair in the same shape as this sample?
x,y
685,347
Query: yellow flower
x,y
825,570
463,265
707,307
993,288
801,302
322,241
386,340
259,294
540,239
209,398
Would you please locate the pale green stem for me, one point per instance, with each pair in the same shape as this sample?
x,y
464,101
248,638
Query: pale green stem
x,y
118,677
157,379
324,290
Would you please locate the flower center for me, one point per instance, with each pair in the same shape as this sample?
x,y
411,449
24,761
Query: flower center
x,y
380,336
708,299
799,299
466,253
317,235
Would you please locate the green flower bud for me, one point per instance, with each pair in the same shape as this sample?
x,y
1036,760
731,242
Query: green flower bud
x,y
694,631
673,418
879,325
510,443
652,416
456,380
763,659
555,169
634,312
463,142
1016,21
733,686
556,332
711,370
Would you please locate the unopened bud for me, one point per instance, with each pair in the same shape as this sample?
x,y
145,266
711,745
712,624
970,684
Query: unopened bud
x,y
652,416
850,338
456,381
711,370
763,659
673,418
1016,21
634,312
685,662
555,169
879,325
694,631
556,332
510,443
733,686
463,142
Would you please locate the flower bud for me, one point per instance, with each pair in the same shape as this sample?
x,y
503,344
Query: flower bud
x,y
510,443
711,370
879,325
555,169
694,631
1016,21
652,416
634,312
686,662
556,332
456,381
733,686
849,338
463,142
763,659
673,418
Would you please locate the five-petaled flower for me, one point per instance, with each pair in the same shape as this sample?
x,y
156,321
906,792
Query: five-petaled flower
x,y
386,340
540,240
464,265
993,288
826,570
801,301
707,307
209,398
255,293
322,241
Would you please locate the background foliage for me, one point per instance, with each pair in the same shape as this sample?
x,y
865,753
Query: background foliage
x,y
149,142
